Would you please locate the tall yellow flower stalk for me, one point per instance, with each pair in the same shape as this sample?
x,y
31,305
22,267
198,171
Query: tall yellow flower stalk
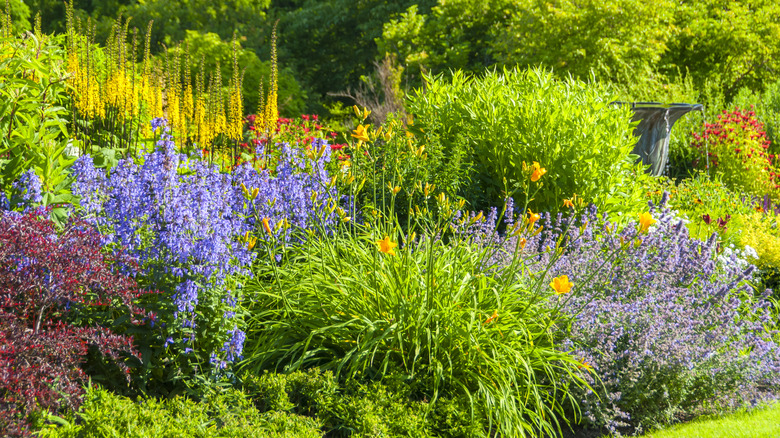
x,y
271,113
235,126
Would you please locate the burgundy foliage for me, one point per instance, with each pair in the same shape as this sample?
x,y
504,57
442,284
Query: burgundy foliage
x,y
50,279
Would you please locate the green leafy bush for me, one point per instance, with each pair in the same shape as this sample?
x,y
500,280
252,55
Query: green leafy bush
x,y
766,104
503,119
351,409
229,414
33,116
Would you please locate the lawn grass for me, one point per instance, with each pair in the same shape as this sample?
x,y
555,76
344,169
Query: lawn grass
x,y
759,423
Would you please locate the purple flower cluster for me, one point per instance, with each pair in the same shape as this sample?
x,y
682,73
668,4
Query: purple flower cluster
x,y
28,189
184,219
669,330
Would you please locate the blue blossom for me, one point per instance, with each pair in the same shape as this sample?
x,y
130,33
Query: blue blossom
x,y
235,345
183,219
28,188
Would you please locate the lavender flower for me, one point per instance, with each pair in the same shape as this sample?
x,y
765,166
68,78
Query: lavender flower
x,y
668,328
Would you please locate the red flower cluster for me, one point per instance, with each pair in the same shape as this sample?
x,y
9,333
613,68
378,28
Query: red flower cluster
x,y
736,144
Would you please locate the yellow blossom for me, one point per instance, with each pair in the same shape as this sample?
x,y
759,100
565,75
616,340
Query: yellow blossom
x,y
568,203
386,245
561,284
538,172
361,133
532,217
645,220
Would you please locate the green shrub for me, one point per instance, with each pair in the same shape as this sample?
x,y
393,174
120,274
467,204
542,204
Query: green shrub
x,y
350,409
428,312
767,108
229,414
503,119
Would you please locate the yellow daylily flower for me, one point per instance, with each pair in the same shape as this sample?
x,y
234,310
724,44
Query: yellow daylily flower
x,y
532,217
561,284
645,220
538,172
361,133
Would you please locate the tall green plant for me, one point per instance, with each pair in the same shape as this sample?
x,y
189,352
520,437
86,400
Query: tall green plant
x,y
508,117
33,128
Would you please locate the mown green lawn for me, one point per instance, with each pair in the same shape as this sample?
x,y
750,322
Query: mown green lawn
x,y
760,423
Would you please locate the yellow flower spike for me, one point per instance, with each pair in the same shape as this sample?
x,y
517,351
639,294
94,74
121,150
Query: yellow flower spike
x,y
356,110
461,203
267,226
255,192
386,245
412,237
440,198
366,113
246,237
561,284
361,133
532,217
252,242
387,135
395,190
538,230
245,190
478,217
645,220
332,182
538,172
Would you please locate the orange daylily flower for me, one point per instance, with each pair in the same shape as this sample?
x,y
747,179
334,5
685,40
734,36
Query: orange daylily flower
x,y
568,203
491,318
266,225
561,284
386,245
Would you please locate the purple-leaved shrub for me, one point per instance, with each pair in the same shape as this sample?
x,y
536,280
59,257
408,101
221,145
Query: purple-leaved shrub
x,y
187,222
667,329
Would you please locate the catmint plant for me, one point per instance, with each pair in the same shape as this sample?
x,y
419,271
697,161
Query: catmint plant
x,y
666,326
